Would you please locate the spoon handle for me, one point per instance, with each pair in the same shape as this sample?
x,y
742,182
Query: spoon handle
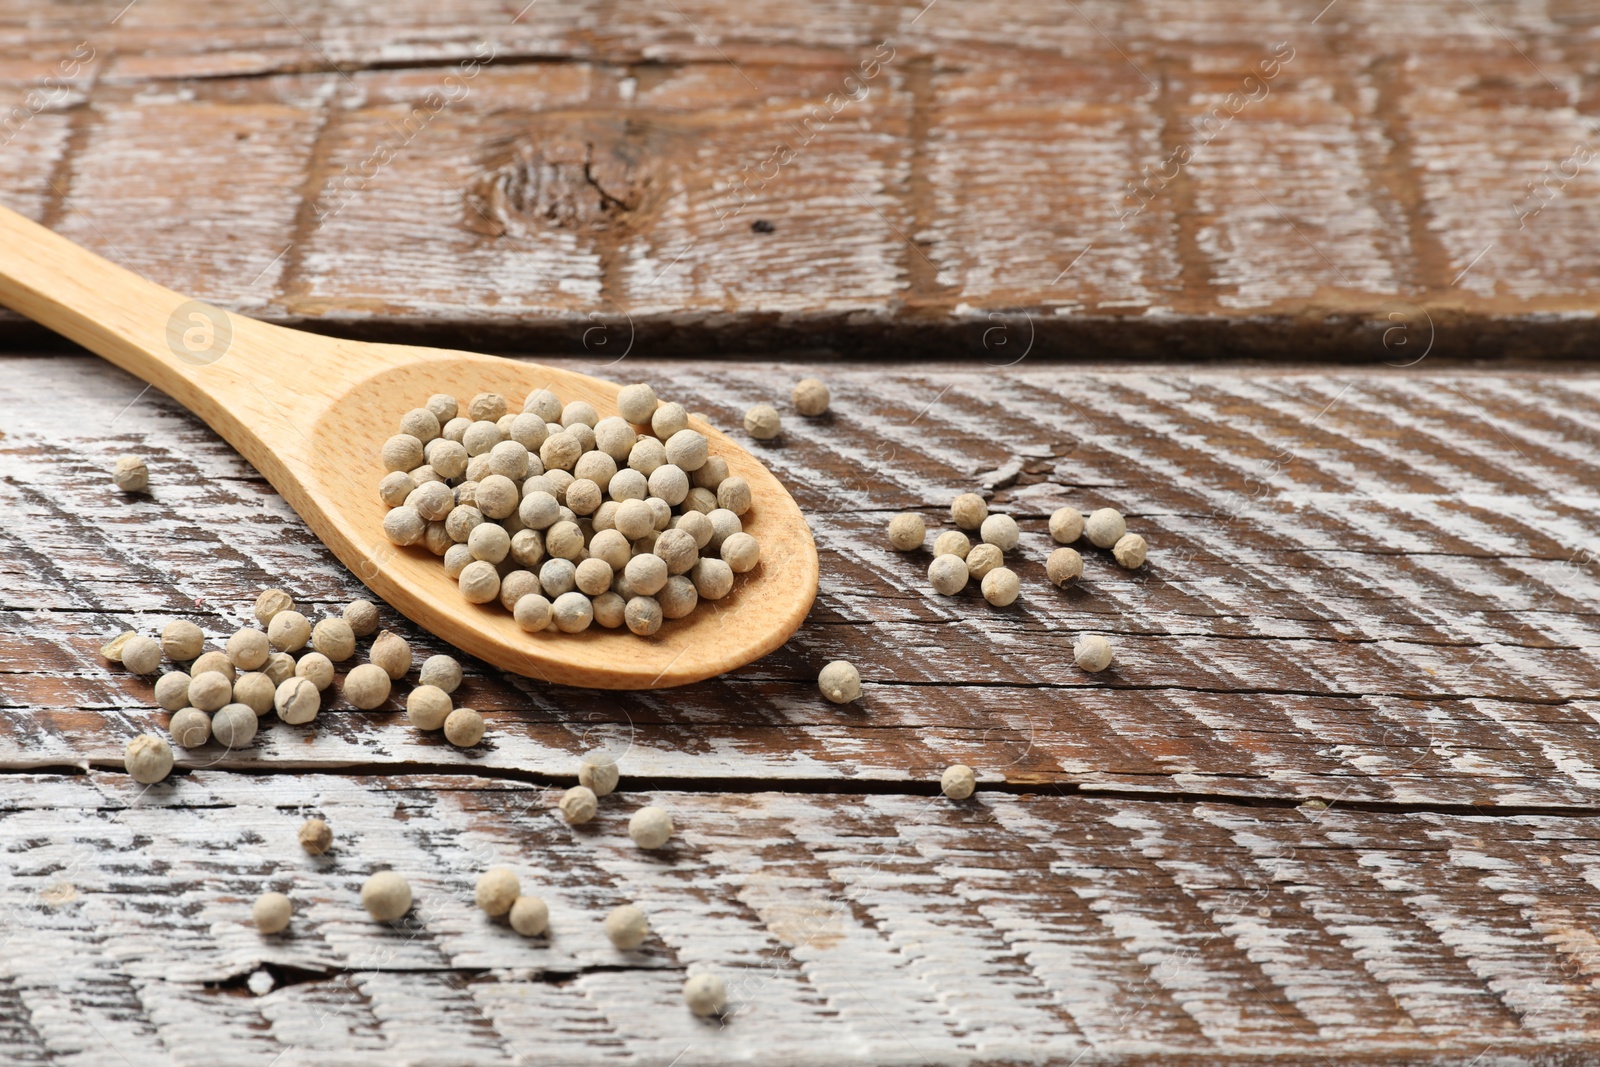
x,y
203,357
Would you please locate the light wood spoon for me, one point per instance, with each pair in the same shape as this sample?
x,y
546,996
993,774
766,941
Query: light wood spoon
x,y
311,414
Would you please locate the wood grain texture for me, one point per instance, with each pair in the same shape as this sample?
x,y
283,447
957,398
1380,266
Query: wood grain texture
x,y
859,930
1370,588
1363,180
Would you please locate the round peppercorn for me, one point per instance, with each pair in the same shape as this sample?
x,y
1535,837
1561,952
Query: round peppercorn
x,y
907,531
529,916
968,511
1001,586
952,543
148,758
315,837
958,782
1066,525
840,682
1105,527
1130,551
190,727
366,686
1000,531
981,559
182,640
427,707
650,827
626,926
498,889
271,911
704,994
463,727
386,896
810,397
334,639
289,631
1064,565
947,574
1092,652
578,804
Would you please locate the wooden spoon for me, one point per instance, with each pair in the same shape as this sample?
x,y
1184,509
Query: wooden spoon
x,y
311,414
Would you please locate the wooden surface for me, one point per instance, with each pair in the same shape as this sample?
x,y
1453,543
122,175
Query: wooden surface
x,y
1361,178
1334,803
312,413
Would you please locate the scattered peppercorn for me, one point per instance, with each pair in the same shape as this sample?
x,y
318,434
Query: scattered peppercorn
x,y
1066,525
1130,551
1064,565
598,772
498,889
362,615
234,725
810,397
705,994
762,422
650,827
334,638
141,655
249,649
840,682
1001,586
271,912
627,926
391,652
366,686
386,896
578,804
190,727
952,543
947,574
441,671
148,758
958,782
130,474
1000,531
315,836
270,602
1092,652
906,532
529,916
182,640
463,727
297,701
1105,527
968,511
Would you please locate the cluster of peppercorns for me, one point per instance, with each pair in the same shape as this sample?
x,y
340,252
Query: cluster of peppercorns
x,y
222,695
386,895
956,560
565,517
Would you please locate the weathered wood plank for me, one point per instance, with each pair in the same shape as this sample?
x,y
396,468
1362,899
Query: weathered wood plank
x,y
870,929
1375,589
930,178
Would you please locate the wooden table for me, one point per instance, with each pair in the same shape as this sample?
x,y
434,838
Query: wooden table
x,y
1335,803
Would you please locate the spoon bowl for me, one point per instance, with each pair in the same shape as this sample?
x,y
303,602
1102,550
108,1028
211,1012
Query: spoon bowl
x,y
311,413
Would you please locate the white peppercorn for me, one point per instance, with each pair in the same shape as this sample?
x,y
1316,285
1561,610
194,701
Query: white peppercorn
x,y
190,727
386,896
496,496
678,550
424,475
532,613
983,558
529,916
558,576
724,524
711,474
677,598
741,552
440,671
172,691
280,665
366,686
427,707
696,523
907,531
713,578
578,804
560,451
1001,586
463,727
545,403
289,631
592,576
1000,531
670,483
598,772
952,543
958,782
401,453
271,911
404,526
584,497
1105,527
256,691
489,541
148,758
579,411
480,437
1063,565
704,994
498,889
626,925
436,539
637,403
564,540
629,484
634,519
315,668
947,574
643,615
477,470
209,690
840,682
141,655
112,649
447,458
315,836
334,639
509,460
456,558
527,548
490,406
1092,652
420,423
650,827
479,582
130,474
968,511
432,500
362,615
572,613
701,500
762,422
395,488
647,455
454,429
810,397
529,431
734,495
615,438
443,406
688,449
668,419
213,663
297,701
1066,525
1130,551
391,653
595,466
539,510
234,725
182,640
